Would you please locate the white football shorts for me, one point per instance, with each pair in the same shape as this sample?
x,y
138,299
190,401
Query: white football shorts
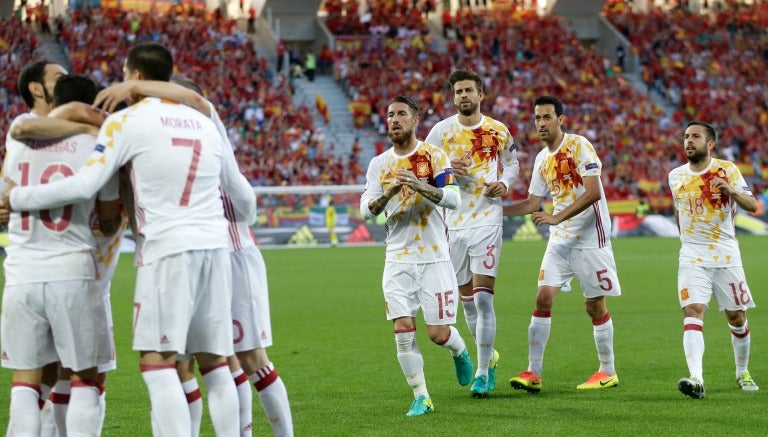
x,y
111,363
697,284
183,304
251,323
594,268
431,287
475,250
47,322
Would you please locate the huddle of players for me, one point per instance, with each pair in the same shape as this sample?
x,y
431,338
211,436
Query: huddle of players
x,y
170,169
414,184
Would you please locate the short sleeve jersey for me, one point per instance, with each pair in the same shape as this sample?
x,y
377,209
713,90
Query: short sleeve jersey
x,y
560,174
706,215
416,230
490,151
50,244
175,158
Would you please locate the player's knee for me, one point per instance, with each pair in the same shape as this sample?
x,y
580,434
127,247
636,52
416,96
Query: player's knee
x,y
736,318
596,308
439,334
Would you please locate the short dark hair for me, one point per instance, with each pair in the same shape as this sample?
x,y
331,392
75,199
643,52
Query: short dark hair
x,y
187,83
34,72
74,88
153,60
460,75
408,101
549,100
708,128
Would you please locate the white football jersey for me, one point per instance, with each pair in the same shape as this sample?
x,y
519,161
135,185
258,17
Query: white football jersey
x,y
490,151
706,216
416,231
176,163
239,231
50,244
560,174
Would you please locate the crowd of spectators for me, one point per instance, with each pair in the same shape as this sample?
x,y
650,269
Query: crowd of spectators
x,y
381,17
276,142
18,46
711,66
521,55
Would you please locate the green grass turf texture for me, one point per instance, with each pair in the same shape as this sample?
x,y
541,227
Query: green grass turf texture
x,y
336,353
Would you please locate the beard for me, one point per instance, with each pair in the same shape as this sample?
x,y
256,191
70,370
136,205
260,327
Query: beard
x,y
401,137
47,96
697,157
468,110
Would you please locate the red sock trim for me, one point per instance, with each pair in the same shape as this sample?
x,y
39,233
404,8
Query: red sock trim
x,y
212,368
399,331
59,398
467,299
241,379
440,343
746,333
693,327
482,290
193,395
154,367
602,320
266,381
539,313
86,383
34,387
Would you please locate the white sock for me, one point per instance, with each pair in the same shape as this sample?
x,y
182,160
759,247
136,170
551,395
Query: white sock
x,y
83,411
411,362
60,395
538,334
454,342
470,313
195,404
486,328
693,346
168,403
274,399
102,409
740,339
222,399
25,410
603,332
48,424
245,397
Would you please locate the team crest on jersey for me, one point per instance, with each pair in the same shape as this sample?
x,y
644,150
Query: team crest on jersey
x,y
422,169
684,295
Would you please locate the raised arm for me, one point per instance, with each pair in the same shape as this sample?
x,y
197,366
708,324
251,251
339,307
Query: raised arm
x,y
46,128
110,97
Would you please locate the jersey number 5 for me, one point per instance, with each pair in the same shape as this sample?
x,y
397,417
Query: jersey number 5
x,y
45,214
196,146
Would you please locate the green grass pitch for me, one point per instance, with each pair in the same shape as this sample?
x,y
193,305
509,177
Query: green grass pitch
x,y
336,353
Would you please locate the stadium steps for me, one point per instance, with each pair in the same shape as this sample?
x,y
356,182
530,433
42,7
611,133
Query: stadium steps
x,y
340,130
53,51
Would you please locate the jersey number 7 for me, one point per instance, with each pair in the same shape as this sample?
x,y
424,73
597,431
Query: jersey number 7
x,y
196,146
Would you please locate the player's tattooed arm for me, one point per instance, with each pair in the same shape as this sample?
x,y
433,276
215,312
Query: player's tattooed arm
x,y
377,205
